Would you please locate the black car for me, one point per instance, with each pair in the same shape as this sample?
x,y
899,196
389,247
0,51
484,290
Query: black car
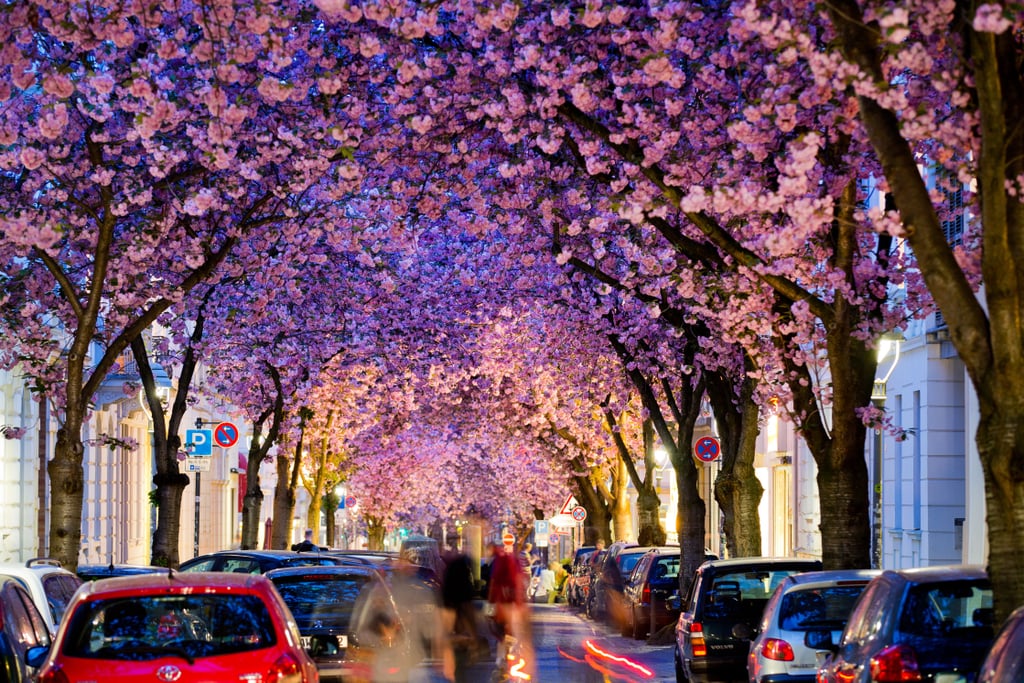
x,y
926,624
645,595
92,572
603,573
21,627
722,595
1005,661
257,561
335,609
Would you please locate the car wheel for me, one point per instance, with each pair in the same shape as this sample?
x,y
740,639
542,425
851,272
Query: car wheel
x,y
680,673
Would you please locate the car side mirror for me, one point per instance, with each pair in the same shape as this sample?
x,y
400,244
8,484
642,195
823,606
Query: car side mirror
x,y
820,640
674,602
742,631
35,656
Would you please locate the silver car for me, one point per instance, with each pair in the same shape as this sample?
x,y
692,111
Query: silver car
x,y
803,608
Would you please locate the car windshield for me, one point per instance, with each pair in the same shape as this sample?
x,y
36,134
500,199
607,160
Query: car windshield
x,y
627,562
818,608
140,628
321,600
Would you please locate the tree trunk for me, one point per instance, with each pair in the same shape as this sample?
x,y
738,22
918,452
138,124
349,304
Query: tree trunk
x,y
622,517
67,491
170,489
284,507
737,488
650,530
330,504
374,533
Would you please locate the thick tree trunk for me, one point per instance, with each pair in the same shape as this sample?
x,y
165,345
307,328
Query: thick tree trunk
x,y
1002,460
737,488
170,489
284,507
330,504
622,518
650,530
252,503
374,533
67,491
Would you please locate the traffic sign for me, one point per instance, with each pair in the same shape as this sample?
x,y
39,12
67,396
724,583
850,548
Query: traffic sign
x,y
568,505
707,449
200,464
508,539
198,442
225,434
579,513
552,538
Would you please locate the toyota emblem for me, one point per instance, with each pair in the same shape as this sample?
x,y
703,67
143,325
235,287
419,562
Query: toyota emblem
x,y
168,672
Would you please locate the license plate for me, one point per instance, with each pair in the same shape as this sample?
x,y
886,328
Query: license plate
x,y
950,678
307,641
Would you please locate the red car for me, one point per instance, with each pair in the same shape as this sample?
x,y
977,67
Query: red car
x,y
177,627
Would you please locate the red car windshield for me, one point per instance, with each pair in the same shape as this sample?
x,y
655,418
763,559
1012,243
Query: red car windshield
x,y
189,626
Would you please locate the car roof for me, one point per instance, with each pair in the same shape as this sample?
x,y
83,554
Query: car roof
x,y
735,562
831,577
171,582
349,569
34,567
940,573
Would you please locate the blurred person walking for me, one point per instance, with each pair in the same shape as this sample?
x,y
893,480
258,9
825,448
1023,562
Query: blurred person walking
x,y
506,597
459,620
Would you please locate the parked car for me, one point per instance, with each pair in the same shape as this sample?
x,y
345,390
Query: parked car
x,y
92,572
579,569
256,561
927,624
723,594
1005,660
611,606
601,574
183,627
645,595
22,627
334,608
50,586
800,611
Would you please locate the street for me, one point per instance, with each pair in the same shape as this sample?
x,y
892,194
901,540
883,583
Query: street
x,y
570,648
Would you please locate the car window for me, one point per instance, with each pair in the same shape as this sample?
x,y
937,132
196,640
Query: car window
x,y
206,565
666,569
58,589
818,608
321,600
239,565
41,632
627,562
28,628
868,615
148,627
948,608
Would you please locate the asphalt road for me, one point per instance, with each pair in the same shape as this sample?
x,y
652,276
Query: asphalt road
x,y
569,648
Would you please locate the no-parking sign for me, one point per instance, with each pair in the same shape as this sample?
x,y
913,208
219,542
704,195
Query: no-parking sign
x,y
226,435
707,449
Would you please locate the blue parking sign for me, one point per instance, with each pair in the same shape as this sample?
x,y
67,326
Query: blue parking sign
x,y
199,442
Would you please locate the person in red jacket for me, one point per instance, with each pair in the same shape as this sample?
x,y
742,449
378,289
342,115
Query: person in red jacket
x,y
506,594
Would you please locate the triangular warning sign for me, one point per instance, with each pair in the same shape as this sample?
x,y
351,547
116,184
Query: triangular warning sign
x,y
568,505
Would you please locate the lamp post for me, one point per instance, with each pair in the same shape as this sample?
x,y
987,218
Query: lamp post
x,y
888,345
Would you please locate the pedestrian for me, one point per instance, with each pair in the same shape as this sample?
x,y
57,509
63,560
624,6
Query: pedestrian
x,y
506,599
545,584
459,618
306,544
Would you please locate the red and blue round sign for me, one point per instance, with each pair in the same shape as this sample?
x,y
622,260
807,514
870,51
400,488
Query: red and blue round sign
x,y
226,435
707,449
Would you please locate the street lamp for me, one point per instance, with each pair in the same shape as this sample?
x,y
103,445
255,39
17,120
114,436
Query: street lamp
x,y
888,352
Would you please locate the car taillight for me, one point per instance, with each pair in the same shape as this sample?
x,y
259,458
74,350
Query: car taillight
x,y
286,670
53,675
778,650
645,594
895,664
697,640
